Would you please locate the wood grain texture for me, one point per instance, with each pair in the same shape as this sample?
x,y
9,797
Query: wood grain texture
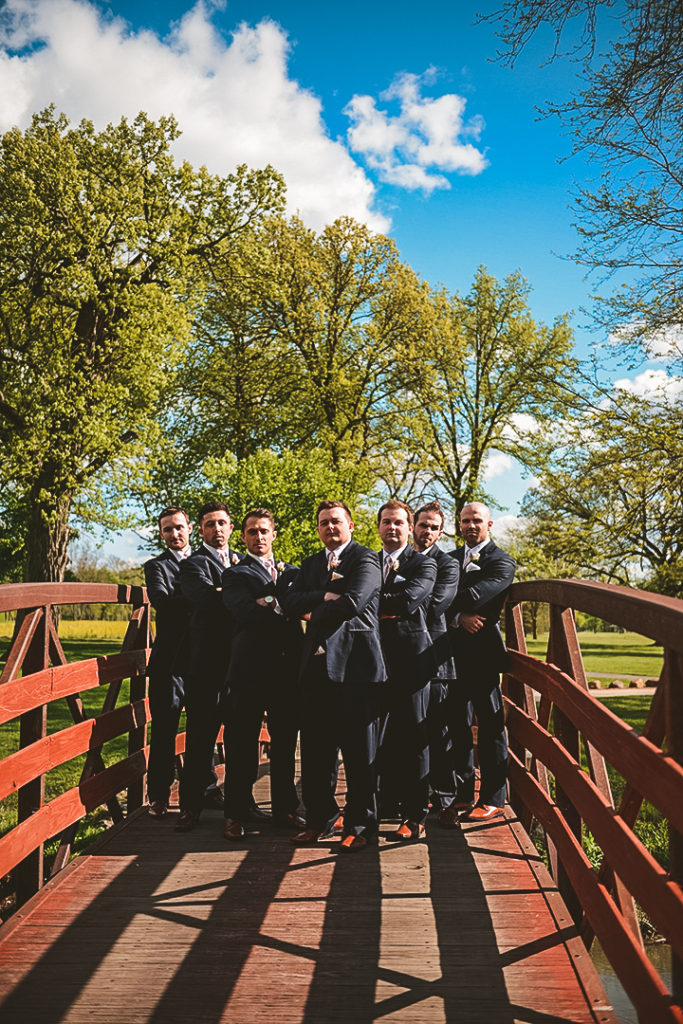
x,y
153,926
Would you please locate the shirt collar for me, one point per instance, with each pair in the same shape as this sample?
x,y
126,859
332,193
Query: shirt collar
x,y
337,553
181,555
477,547
394,555
268,560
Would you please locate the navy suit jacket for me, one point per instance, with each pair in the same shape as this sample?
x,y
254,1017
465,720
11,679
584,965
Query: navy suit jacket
x,y
211,627
406,641
266,646
170,649
347,628
442,596
482,589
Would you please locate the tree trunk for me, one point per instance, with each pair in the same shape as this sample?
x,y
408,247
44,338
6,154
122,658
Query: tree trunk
x,y
47,542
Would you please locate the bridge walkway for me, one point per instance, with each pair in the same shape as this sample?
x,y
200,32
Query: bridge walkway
x,y
155,927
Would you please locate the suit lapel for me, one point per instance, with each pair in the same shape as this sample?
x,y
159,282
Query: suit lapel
x,y
258,569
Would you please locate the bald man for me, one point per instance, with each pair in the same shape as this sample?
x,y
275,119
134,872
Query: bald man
x,y
486,573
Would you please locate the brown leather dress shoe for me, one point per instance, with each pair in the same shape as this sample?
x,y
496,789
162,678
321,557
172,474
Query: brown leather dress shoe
x,y
449,817
309,837
187,820
484,812
158,809
233,829
352,844
410,831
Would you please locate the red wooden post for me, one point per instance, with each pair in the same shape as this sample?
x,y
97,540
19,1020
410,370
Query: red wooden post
x,y
138,635
560,651
673,675
32,726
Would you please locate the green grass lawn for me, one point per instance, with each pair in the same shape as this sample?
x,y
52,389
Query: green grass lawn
x,y
615,654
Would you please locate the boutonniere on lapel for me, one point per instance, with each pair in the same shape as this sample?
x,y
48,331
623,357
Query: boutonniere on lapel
x,y
235,559
472,565
333,563
280,566
395,565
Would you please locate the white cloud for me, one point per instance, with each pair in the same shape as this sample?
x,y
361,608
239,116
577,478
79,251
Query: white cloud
x,y
653,385
503,525
234,101
522,425
416,147
496,464
664,345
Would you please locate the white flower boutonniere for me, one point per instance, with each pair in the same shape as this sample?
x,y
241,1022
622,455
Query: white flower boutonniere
x,y
235,559
395,564
333,563
280,566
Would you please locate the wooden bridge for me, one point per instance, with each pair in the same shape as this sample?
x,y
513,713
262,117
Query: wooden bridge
x,y
153,926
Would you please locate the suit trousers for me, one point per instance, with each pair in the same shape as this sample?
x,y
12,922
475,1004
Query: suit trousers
x,y
441,773
478,695
242,708
284,714
404,756
166,702
334,716
201,732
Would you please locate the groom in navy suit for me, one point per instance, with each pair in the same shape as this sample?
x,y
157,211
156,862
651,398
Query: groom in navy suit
x,y
342,672
486,573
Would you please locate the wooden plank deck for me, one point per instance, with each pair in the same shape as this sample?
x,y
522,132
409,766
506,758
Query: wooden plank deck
x,y
152,927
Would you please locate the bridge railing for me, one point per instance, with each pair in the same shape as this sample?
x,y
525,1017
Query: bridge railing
x,y
561,740
35,674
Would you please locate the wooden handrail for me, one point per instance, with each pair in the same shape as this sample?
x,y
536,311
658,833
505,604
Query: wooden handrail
x,y
552,720
35,674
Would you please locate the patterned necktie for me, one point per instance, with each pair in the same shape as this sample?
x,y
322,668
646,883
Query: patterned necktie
x,y
388,562
269,563
225,557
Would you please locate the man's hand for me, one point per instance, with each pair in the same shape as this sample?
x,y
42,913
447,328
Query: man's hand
x,y
470,622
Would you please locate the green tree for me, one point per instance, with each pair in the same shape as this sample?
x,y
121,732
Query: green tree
x,y
104,245
530,542
290,484
336,310
490,379
626,116
297,350
611,500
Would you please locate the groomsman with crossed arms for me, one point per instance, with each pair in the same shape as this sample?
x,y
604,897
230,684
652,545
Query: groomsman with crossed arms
x,y
408,580
262,675
486,573
211,629
342,676
428,530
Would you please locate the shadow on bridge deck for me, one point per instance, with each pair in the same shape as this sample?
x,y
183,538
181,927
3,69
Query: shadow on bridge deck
x,y
156,927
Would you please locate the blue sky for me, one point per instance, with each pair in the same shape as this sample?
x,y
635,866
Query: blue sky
x,y
391,112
